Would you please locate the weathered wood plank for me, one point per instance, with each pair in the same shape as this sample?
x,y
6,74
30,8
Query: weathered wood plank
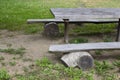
x,y
77,13
84,46
43,20
30,21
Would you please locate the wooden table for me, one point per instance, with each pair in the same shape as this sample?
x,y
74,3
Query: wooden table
x,y
86,13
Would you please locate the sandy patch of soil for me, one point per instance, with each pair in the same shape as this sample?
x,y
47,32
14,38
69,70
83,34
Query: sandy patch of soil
x,y
36,48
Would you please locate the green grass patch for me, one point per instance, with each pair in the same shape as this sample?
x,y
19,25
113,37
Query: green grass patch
x,y
98,52
94,28
107,39
78,40
103,67
117,63
19,51
101,3
14,13
12,63
46,70
4,75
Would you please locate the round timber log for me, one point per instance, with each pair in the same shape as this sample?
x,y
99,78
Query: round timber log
x,y
81,59
51,30
85,61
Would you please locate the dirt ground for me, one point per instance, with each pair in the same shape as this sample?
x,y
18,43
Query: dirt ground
x,y
36,48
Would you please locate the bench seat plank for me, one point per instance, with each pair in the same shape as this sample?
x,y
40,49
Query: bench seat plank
x,y
84,46
30,21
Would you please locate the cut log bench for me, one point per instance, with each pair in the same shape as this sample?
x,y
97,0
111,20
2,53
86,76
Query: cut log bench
x,y
76,55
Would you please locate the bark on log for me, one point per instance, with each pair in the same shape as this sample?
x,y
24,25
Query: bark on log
x,y
81,59
51,30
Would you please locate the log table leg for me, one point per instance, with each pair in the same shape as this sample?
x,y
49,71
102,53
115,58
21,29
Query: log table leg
x,y
118,31
66,23
51,30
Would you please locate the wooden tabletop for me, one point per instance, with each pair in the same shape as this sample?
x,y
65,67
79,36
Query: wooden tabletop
x,y
78,13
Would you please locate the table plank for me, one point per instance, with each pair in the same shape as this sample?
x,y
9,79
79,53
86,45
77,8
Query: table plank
x,y
76,13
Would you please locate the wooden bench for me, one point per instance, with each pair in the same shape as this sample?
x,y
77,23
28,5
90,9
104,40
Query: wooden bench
x,y
76,53
67,21
84,46
31,21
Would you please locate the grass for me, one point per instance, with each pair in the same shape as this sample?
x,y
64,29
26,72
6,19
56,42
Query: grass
x,y
102,67
78,40
98,52
4,75
94,29
45,67
107,39
12,63
101,3
117,63
19,51
14,13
